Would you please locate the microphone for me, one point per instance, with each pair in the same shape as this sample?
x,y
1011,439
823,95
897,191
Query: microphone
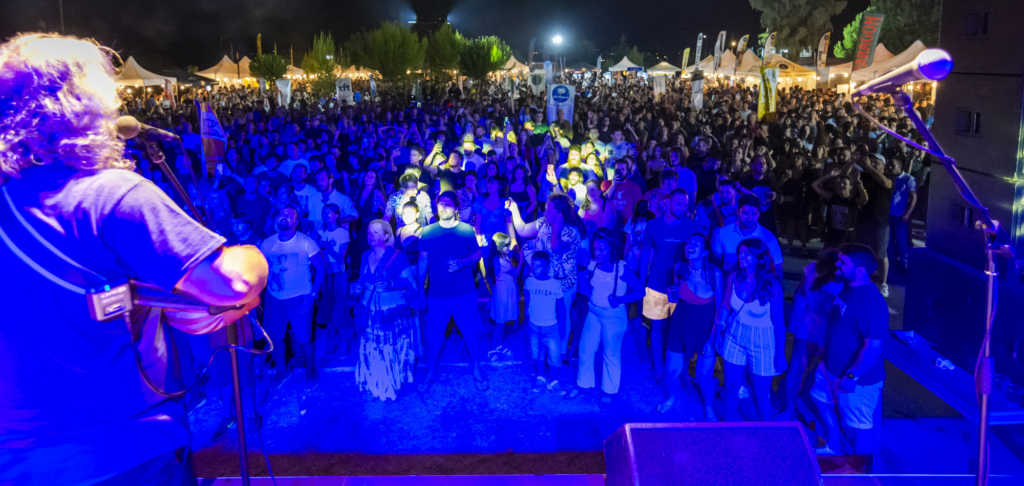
x,y
930,65
128,127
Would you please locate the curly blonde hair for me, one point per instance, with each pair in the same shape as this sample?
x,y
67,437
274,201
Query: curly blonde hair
x,y
58,104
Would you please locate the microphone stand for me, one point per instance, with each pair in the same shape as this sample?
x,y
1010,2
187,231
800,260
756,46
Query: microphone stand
x,y
985,367
231,329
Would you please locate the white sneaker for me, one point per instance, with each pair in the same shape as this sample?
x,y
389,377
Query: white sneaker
x,y
539,384
885,290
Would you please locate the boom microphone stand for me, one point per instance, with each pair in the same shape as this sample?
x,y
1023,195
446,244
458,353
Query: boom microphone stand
x,y
985,367
232,329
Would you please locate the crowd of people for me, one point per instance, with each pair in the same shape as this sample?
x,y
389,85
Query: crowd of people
x,y
391,223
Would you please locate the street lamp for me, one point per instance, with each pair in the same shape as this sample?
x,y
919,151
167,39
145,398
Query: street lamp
x,y
557,39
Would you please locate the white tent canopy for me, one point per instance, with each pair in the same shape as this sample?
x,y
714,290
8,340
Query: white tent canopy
x,y
707,65
515,65
224,70
294,71
243,65
131,74
624,65
881,55
790,73
878,68
663,68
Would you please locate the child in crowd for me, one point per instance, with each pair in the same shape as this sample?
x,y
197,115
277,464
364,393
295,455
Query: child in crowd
x,y
504,292
545,310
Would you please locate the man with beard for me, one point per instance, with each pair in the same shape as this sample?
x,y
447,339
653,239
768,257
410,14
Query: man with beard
x,y
327,194
726,239
663,247
761,182
448,253
851,375
291,291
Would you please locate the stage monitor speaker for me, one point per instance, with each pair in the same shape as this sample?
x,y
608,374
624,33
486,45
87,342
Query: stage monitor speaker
x,y
721,454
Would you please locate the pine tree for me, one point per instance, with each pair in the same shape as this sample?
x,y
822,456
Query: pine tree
x,y
799,23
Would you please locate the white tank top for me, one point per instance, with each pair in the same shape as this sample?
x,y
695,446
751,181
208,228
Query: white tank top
x,y
750,313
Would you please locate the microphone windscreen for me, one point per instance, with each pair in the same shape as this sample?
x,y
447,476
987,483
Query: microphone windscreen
x,y
128,127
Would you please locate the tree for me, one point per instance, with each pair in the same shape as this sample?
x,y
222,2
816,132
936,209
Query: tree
x,y
582,51
443,50
640,58
907,21
268,66
848,45
799,23
482,56
319,64
391,50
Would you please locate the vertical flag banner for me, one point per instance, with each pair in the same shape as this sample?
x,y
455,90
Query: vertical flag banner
x,y
659,86
560,96
284,92
213,137
169,93
700,42
870,28
538,84
599,59
697,89
686,59
373,89
549,73
263,86
343,87
768,94
719,49
769,45
740,49
819,59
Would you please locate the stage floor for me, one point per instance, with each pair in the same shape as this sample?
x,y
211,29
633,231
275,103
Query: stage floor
x,y
588,480
337,430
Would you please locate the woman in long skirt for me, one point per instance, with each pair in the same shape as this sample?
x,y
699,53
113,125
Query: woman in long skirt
x,y
387,323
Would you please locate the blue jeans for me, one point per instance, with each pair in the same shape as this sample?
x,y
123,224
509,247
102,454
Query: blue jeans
x,y
899,237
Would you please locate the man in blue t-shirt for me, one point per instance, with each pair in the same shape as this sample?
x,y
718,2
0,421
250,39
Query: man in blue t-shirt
x,y
851,376
664,243
448,253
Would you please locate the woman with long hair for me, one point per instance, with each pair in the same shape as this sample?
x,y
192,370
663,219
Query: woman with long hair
x,y
698,295
812,305
368,198
522,192
595,210
386,323
611,287
751,329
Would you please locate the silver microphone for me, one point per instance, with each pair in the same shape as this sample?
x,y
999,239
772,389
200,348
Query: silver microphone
x,y
929,65
128,127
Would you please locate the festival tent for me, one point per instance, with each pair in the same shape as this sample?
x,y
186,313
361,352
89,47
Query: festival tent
x,y
878,68
625,65
190,80
243,66
225,69
581,67
790,73
516,66
663,68
131,74
294,71
708,64
352,72
843,70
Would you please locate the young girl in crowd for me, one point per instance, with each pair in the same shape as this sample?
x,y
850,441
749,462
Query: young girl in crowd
x,y
504,292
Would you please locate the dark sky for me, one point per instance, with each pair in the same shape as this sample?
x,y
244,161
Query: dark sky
x,y
178,33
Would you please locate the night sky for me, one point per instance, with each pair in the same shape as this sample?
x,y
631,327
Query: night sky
x,y
163,35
